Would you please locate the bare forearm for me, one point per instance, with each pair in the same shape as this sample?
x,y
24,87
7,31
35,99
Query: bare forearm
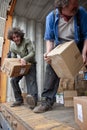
x,y
49,46
84,52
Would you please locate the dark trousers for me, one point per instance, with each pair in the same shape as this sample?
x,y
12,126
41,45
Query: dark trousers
x,y
30,81
50,86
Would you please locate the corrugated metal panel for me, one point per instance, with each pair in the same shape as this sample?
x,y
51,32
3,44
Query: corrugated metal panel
x,y
33,9
3,7
39,56
1,46
3,11
9,95
2,26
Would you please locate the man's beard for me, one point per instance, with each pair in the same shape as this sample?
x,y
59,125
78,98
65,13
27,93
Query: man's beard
x,y
74,11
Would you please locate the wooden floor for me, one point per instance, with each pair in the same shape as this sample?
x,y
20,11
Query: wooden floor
x,y
62,114
59,118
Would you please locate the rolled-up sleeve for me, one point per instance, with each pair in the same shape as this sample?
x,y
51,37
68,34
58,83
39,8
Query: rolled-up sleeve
x,y
83,18
49,28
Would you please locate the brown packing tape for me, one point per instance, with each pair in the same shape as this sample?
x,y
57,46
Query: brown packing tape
x,y
68,98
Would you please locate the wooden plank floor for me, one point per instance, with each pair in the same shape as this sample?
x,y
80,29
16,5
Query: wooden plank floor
x,y
62,114
59,118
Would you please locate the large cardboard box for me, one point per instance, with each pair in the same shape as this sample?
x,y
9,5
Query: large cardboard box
x,y
66,60
13,68
80,110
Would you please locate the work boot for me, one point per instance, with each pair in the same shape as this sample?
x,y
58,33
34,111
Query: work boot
x,y
42,108
17,103
30,100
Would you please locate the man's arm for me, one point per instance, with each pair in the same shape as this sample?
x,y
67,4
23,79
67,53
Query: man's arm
x,y
31,52
49,47
84,52
49,35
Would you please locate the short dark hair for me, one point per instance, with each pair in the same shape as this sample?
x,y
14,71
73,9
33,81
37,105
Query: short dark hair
x,y
15,30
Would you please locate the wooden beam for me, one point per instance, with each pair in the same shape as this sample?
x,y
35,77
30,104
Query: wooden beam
x,y
4,54
8,24
11,7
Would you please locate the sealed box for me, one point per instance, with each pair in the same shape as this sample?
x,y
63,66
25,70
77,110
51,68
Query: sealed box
x,y
66,60
80,110
66,98
13,68
69,98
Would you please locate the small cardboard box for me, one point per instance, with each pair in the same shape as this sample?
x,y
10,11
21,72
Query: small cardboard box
x,y
66,60
68,98
80,110
13,68
66,84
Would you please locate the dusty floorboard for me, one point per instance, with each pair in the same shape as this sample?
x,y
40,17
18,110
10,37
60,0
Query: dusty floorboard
x,y
62,114
60,118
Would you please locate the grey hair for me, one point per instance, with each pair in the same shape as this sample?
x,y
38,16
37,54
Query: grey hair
x,y
61,3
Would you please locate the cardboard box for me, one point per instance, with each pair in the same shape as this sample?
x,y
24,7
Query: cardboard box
x,y
66,60
68,98
66,84
13,68
80,110
80,82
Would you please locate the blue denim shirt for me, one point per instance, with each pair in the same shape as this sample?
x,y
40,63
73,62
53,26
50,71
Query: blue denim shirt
x,y
51,31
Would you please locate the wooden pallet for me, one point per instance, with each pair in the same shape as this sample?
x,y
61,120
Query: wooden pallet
x,y
22,118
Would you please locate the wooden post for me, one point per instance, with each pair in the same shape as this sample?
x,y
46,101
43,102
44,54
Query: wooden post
x,y
8,24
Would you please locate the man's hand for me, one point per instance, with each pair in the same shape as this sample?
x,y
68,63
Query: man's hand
x,y
84,53
23,62
84,58
46,58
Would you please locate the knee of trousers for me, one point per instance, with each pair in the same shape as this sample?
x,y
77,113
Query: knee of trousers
x,y
13,81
